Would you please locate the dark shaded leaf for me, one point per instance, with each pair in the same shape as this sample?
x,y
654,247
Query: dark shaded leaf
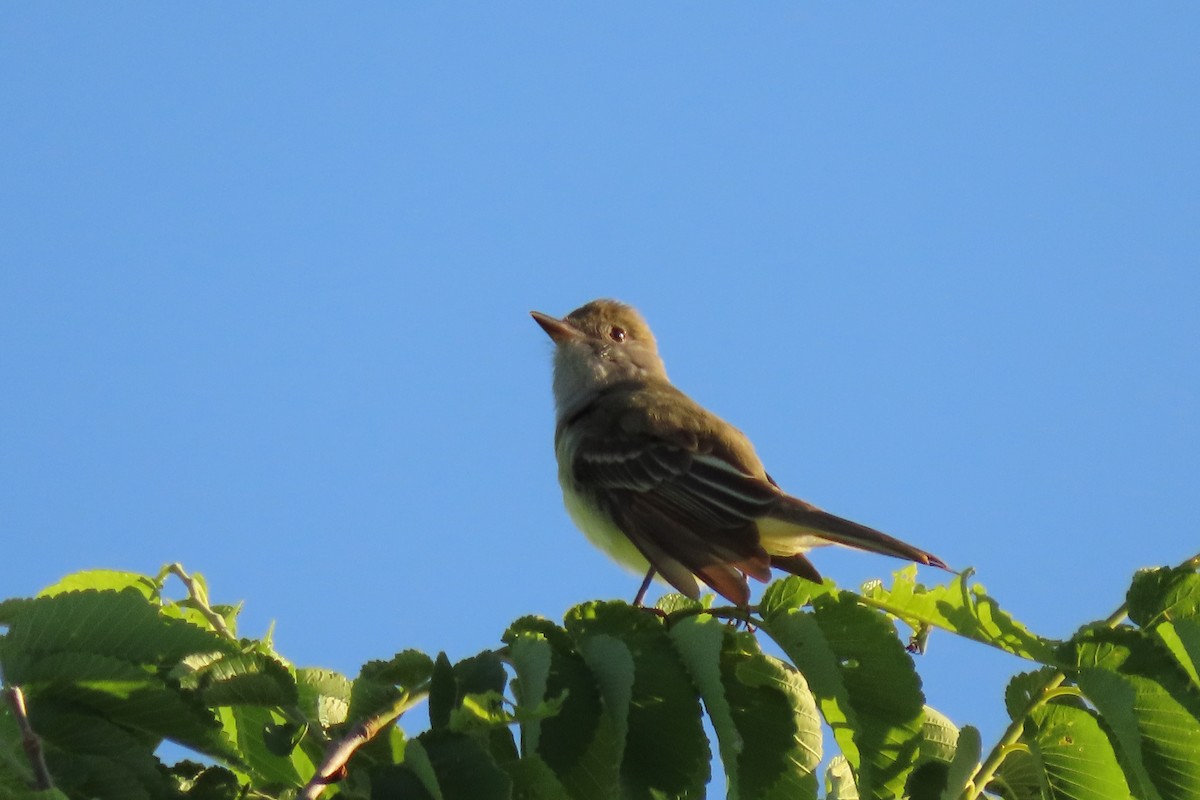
x,y
776,716
442,692
464,768
657,715
579,744
381,684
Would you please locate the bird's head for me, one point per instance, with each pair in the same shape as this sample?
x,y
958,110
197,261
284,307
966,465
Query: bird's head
x,y
597,345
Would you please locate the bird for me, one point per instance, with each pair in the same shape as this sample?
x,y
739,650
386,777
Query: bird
x,y
664,486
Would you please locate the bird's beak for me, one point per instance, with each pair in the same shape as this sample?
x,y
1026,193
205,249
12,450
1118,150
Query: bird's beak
x,y
558,329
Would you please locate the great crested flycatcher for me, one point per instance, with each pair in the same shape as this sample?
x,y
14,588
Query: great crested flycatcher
x,y
662,485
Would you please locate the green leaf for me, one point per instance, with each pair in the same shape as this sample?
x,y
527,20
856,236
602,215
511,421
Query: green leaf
x,y
414,779
531,657
792,593
665,750
442,692
1148,704
1075,753
839,780
89,755
963,609
106,579
238,679
197,781
761,710
579,744
939,737
130,695
281,739
700,640
381,684
408,669
477,712
801,638
533,780
1166,592
324,695
1182,639
776,715
121,624
939,741
464,768
864,683
479,683
480,673
1023,689
1021,776
674,602
255,732
967,752
882,686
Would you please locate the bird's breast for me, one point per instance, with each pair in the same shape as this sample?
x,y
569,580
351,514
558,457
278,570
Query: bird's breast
x,y
589,516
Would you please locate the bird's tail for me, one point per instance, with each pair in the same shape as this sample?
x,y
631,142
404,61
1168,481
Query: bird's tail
x,y
795,526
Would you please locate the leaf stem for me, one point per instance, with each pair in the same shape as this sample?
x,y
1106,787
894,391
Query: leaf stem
x,y
1009,741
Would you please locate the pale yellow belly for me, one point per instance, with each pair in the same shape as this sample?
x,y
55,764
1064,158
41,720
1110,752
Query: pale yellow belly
x,y
601,532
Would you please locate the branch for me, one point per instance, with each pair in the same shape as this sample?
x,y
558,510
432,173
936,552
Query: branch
x,y
333,768
29,740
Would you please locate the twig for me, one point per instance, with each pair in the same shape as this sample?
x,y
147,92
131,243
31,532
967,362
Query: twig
x,y
332,769
199,596
29,740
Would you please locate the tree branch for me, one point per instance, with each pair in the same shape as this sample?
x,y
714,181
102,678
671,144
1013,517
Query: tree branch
x,y
332,769
29,740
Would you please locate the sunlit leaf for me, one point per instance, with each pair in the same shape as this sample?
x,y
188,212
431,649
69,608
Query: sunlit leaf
x,y
121,624
801,638
963,609
1148,703
882,686
105,579
1076,755
864,682
839,780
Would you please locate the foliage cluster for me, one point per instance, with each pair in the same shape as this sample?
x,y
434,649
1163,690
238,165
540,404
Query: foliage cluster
x,y
102,668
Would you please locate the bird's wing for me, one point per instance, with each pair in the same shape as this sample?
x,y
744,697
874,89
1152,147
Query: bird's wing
x,y
678,493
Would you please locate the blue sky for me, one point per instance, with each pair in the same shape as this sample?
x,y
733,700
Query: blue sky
x,y
265,275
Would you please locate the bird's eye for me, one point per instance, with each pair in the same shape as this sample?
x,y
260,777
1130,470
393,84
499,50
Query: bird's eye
x,y
616,334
